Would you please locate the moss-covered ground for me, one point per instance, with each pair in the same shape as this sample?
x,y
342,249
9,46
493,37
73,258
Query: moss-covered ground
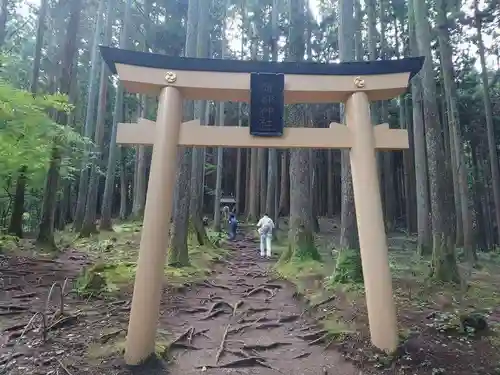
x,y
114,255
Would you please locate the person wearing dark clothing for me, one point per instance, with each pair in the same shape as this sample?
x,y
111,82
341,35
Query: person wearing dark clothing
x,y
233,226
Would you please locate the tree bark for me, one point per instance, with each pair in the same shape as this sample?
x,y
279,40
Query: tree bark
x,y
198,156
301,230
460,169
349,229
46,227
178,254
114,149
422,188
492,148
139,202
443,266
89,221
89,117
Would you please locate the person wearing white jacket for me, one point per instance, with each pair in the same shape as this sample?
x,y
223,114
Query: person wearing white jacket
x,y
265,228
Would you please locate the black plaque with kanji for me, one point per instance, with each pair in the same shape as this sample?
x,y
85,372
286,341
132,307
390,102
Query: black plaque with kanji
x,y
267,104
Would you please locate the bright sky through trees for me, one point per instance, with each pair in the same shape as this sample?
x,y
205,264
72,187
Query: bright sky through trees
x,y
235,42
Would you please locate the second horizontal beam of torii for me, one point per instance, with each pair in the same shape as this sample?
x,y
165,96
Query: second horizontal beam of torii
x,y
337,136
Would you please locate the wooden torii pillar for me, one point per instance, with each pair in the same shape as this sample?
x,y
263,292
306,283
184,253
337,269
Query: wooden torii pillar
x,y
175,79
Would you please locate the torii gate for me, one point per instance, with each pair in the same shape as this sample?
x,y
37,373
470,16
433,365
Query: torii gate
x,y
176,78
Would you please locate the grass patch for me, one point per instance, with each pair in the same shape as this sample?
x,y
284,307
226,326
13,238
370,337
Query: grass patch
x,y
297,269
115,255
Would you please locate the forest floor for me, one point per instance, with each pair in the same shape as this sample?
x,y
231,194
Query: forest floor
x,y
232,308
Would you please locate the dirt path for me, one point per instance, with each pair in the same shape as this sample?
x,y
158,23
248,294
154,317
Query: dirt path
x,y
244,320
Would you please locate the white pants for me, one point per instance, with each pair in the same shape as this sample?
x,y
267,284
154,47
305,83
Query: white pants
x,y
265,244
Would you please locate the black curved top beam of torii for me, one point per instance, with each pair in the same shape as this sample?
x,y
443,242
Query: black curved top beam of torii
x,y
114,56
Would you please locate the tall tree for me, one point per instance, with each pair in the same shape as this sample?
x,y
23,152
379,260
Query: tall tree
x,y
272,168
220,119
4,17
349,229
444,266
492,147
89,219
16,219
46,228
462,196
178,254
114,150
424,239
253,191
198,163
139,200
90,115
301,230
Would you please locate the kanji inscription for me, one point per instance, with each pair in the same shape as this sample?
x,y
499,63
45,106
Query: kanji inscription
x,y
266,104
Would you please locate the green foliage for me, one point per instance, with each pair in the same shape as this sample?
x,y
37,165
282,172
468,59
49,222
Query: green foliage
x,y
348,268
27,132
216,238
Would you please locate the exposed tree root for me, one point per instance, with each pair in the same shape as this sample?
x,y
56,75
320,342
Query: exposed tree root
x,y
302,355
105,337
193,310
187,333
308,328
313,335
10,313
324,302
253,321
195,333
222,344
269,285
11,288
271,345
186,336
7,358
288,318
239,353
181,345
14,308
247,325
244,362
15,327
261,289
253,310
221,304
212,284
61,296
255,275
24,295
269,325
236,306
319,340
213,314
65,369
242,282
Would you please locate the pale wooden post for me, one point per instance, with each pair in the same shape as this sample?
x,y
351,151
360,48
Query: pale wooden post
x,y
155,232
372,236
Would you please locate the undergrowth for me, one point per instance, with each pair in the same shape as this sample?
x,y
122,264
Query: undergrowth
x,y
115,255
8,242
